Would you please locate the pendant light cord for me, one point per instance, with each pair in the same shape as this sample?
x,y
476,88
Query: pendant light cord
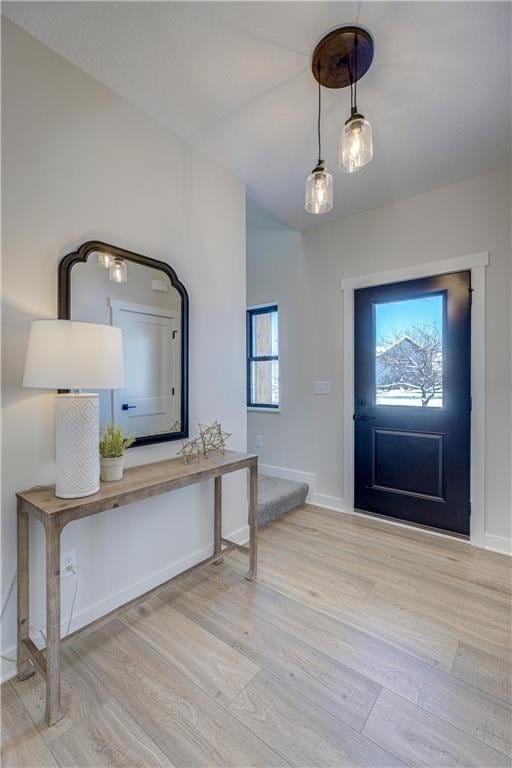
x,y
319,114
353,79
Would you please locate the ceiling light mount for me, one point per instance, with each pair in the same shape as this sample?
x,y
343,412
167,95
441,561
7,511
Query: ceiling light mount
x,y
336,55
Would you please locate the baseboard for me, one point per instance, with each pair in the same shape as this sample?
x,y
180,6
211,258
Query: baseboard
x,y
291,474
101,608
498,544
328,502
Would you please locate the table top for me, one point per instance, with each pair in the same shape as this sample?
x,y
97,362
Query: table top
x,y
137,483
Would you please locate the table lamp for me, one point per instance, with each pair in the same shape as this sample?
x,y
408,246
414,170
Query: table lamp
x,y
64,354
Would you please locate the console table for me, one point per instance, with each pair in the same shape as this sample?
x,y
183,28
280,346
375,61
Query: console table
x,y
138,483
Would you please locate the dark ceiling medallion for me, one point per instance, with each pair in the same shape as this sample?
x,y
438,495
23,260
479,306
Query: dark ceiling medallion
x,y
334,58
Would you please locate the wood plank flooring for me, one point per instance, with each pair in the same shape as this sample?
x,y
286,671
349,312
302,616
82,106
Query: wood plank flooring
x,y
361,644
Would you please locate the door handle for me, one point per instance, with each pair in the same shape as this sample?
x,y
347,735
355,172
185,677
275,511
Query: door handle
x,y
364,417
126,407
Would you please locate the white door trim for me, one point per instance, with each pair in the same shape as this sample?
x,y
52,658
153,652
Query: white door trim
x,y
117,305
476,263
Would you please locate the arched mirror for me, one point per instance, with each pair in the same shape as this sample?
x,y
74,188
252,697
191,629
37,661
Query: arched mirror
x,y
101,283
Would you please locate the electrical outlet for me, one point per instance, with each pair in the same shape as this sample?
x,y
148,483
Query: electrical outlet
x,y
322,387
259,441
68,559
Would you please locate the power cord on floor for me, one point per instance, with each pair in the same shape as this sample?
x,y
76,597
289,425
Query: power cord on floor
x,y
69,568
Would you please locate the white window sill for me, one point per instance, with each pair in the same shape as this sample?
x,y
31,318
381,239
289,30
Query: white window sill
x,y
264,410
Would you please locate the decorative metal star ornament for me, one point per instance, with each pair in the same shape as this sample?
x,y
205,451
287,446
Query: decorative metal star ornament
x,y
191,450
213,438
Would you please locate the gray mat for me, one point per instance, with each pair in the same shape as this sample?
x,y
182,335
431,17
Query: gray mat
x,y
276,497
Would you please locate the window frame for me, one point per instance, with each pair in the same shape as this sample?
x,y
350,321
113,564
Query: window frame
x,y
251,312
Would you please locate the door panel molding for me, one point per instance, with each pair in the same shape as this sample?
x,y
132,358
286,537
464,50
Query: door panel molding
x,y
476,263
438,481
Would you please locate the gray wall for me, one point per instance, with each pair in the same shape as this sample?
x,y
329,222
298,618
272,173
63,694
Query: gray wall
x,y
302,272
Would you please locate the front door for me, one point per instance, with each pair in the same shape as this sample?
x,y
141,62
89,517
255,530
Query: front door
x,y
412,401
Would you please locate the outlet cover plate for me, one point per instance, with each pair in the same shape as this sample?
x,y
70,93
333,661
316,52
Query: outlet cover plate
x,y
66,559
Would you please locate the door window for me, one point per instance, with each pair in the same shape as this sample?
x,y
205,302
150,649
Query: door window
x,y
409,352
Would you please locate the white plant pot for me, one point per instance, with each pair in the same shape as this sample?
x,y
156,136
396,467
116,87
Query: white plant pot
x,y
111,469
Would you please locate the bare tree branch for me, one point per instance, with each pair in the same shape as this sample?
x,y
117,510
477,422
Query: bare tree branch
x,y
412,358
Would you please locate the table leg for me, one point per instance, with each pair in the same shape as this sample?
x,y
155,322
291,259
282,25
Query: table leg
x,y
53,705
253,521
24,667
218,518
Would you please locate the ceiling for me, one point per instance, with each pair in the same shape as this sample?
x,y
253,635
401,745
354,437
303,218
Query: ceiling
x,y
233,79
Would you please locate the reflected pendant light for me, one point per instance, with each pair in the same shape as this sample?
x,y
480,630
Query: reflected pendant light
x,y
104,259
117,271
340,59
319,186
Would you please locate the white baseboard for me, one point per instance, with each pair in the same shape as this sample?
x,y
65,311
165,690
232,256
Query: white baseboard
x,y
498,544
329,502
290,474
101,608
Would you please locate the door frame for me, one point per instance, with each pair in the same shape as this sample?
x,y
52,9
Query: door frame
x,y
476,263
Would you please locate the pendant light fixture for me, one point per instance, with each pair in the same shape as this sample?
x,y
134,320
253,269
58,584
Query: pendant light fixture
x,y
319,186
356,145
340,59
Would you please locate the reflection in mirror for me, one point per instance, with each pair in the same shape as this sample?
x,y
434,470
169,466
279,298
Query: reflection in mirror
x,y
142,302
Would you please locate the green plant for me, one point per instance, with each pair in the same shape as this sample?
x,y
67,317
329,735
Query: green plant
x,y
113,442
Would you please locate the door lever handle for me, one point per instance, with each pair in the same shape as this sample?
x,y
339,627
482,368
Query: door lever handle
x,y
126,407
364,417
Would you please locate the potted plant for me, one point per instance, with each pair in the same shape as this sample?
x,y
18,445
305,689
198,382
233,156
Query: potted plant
x,y
112,446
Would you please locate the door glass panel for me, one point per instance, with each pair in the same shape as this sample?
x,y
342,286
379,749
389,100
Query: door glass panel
x,y
264,334
409,352
265,382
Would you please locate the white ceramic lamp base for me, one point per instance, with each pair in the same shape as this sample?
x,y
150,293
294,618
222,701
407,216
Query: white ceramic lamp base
x,y
77,421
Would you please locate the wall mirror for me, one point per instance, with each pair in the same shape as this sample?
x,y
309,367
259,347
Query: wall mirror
x,y
101,283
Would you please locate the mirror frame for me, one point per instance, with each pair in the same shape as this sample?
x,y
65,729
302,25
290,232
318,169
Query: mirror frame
x,y
64,296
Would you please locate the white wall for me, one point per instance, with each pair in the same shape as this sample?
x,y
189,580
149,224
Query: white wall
x,y
80,163
302,271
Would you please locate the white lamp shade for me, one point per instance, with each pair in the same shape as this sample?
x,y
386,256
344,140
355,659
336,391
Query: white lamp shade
x,y
64,354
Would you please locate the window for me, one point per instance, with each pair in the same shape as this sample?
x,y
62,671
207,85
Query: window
x,y
409,352
262,357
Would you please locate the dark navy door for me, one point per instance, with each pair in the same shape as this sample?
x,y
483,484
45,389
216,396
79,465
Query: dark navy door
x,y
413,404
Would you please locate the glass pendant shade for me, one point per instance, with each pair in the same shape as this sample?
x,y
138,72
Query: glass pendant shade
x,y
356,146
319,190
104,260
117,271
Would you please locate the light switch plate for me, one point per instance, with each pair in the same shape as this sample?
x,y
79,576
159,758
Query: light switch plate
x,y
259,441
322,388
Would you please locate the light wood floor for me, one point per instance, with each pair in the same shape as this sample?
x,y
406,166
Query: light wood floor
x,y
362,644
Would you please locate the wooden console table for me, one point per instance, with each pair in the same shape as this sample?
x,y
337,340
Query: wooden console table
x,y
138,483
